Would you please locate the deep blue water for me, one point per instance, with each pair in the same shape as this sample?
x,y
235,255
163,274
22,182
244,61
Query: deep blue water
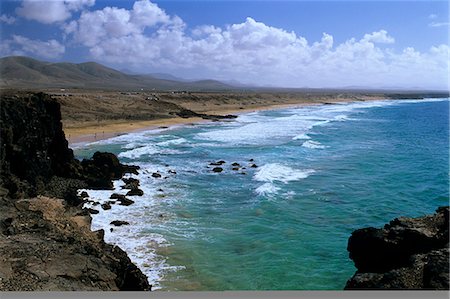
x,y
322,172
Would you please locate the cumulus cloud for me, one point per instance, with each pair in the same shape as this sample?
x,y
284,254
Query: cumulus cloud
x,y
20,45
147,39
95,27
381,37
48,12
7,19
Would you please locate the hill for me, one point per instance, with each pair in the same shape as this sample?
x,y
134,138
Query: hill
x,y
25,73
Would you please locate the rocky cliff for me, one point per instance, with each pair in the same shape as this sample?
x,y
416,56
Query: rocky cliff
x,y
408,253
46,240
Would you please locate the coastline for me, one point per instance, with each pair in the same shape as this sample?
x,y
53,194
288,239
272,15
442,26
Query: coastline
x,y
110,129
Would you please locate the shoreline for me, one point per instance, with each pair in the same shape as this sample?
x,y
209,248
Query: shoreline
x,y
111,129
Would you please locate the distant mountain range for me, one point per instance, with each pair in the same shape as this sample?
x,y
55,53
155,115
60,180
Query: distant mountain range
x,y
26,72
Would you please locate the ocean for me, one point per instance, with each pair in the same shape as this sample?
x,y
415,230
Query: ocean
x,y
280,218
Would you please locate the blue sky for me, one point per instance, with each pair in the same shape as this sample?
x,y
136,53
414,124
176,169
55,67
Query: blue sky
x,y
285,43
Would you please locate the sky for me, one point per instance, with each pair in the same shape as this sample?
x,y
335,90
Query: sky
x,y
316,44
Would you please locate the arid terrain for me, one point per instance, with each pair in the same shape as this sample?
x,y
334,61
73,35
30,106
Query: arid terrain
x,y
101,114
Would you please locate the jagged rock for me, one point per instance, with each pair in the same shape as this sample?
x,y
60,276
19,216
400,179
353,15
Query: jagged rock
x,y
125,201
253,166
99,171
217,169
117,196
235,164
218,163
135,192
119,223
408,253
106,206
130,183
84,194
46,243
235,168
156,175
92,211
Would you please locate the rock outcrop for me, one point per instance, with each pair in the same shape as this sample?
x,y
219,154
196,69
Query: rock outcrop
x,y
46,242
408,253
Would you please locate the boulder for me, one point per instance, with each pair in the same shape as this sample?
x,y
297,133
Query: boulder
x,y
117,196
135,192
125,201
156,175
217,169
130,183
408,253
119,223
106,206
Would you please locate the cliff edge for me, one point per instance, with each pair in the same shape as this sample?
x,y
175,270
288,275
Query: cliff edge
x,y
46,243
408,253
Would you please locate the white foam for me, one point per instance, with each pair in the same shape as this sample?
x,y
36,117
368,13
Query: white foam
x,y
138,238
267,189
313,144
139,152
301,136
172,142
277,172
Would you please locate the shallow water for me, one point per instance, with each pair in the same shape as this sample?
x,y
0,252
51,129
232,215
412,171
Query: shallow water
x,y
322,172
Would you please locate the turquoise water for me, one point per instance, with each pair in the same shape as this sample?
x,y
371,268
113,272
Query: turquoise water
x,y
323,171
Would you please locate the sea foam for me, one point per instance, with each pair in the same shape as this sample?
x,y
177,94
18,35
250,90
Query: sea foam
x,y
277,172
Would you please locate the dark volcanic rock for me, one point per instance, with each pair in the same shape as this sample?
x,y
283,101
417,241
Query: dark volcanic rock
x,y
125,201
253,166
46,243
135,192
92,211
102,168
217,169
53,249
33,147
408,253
130,183
117,196
119,223
156,175
106,206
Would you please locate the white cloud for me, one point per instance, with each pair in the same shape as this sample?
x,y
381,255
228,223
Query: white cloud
x,y
439,24
48,12
147,39
7,19
381,37
20,45
96,27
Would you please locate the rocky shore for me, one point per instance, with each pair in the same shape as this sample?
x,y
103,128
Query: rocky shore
x,y
408,253
46,239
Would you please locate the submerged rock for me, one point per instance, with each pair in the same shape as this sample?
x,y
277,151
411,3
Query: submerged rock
x,y
135,192
408,253
119,223
106,206
125,201
117,196
130,183
217,169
